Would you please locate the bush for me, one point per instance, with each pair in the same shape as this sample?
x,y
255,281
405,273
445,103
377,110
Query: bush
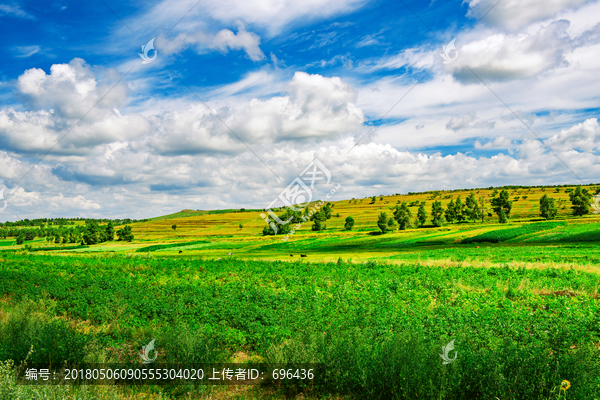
x,y
407,365
382,222
403,216
547,208
180,344
581,199
125,234
349,224
437,213
32,324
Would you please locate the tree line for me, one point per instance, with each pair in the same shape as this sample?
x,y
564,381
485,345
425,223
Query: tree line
x,y
318,218
473,209
88,234
65,221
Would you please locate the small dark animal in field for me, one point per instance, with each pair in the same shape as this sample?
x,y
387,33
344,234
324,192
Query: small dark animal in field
x,y
302,255
180,251
291,255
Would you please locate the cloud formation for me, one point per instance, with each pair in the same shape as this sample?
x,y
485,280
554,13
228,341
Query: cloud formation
x,y
223,41
139,152
468,121
13,10
517,14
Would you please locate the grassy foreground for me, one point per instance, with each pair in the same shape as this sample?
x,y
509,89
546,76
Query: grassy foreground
x,y
378,328
521,301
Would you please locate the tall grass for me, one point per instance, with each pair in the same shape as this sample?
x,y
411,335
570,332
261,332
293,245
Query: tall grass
x,y
408,366
31,323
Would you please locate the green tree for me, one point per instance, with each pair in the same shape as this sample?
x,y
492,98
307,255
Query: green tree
x,y
459,210
305,214
403,216
349,224
450,213
102,235
422,214
502,205
392,225
91,233
125,234
110,231
319,219
437,213
373,199
174,227
581,199
502,217
282,229
482,208
472,208
382,222
20,239
327,210
547,208
293,216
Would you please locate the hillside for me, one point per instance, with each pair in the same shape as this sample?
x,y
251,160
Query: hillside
x,y
218,233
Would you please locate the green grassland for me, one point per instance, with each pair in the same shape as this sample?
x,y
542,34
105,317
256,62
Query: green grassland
x,y
221,229
521,300
519,332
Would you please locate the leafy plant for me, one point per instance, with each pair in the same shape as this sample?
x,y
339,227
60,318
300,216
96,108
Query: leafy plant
x,y
422,214
580,199
349,224
548,209
382,222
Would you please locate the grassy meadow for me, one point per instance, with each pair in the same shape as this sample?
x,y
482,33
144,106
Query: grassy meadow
x,y
521,300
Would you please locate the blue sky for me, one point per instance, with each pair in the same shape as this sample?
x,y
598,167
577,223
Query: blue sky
x,y
243,95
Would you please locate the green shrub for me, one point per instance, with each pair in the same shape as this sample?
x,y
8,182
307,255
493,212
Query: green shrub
x,y
407,365
181,344
53,339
